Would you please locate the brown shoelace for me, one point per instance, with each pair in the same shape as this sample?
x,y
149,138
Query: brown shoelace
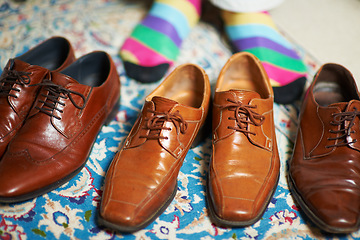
x,y
155,124
345,130
10,78
244,115
55,93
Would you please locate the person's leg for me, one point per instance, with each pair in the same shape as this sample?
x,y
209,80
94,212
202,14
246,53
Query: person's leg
x,y
155,42
256,33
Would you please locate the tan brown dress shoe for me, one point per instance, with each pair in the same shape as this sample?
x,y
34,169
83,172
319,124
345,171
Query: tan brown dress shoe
x,y
142,178
17,90
324,171
55,141
244,168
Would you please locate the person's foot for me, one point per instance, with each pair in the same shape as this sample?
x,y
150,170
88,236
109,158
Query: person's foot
x,y
256,33
154,43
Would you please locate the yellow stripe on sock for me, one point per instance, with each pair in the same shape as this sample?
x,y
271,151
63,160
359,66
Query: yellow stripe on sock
x,y
128,56
274,83
185,8
232,18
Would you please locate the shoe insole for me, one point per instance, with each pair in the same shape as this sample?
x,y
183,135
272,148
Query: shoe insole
x,y
326,93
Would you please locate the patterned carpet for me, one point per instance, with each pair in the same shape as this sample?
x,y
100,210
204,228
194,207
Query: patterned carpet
x,y
70,211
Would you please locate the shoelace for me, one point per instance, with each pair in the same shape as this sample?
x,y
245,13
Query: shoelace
x,y
55,92
155,124
340,119
244,115
10,77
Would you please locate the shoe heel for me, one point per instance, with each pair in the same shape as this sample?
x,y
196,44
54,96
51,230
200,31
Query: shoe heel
x,y
204,130
113,113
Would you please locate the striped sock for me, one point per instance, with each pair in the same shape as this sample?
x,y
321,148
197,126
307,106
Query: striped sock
x,y
256,33
155,42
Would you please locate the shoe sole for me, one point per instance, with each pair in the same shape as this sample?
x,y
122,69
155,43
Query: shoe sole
x,y
130,229
64,180
312,216
226,223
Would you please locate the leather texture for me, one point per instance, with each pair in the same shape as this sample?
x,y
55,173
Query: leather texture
x,y
17,90
55,141
142,178
244,168
324,171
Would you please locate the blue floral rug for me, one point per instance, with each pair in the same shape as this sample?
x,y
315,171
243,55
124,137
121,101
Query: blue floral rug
x,y
70,211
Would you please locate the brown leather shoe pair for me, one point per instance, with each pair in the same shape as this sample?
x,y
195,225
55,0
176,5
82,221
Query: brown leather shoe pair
x,y
324,171
142,178
52,108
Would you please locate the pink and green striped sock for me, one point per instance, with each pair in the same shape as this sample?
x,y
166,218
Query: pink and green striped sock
x,y
155,42
256,33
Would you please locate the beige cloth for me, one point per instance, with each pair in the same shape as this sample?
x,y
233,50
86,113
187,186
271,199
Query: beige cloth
x,y
246,5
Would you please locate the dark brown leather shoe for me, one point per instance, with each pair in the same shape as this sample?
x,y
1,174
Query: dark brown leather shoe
x,y
55,141
244,168
17,90
324,171
142,178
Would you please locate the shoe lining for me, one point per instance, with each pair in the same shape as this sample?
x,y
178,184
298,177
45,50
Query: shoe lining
x,y
91,70
186,86
243,74
334,85
51,54
327,93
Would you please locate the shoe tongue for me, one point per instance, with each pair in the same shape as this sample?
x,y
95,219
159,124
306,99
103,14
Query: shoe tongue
x,y
62,79
163,104
18,65
341,105
245,95
353,105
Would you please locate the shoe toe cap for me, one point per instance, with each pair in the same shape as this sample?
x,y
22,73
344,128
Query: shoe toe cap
x,y
338,209
240,212
121,214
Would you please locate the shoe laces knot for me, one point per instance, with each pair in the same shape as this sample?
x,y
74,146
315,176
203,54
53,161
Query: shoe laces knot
x,y
53,97
155,124
243,115
346,120
10,78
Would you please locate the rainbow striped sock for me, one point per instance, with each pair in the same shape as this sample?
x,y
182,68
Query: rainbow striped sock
x,y
155,42
256,33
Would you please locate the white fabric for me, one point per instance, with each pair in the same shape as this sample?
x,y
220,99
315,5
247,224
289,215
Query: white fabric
x,y
246,5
